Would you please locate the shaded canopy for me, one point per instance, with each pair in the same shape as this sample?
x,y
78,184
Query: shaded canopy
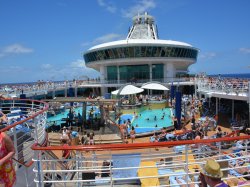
x,y
128,90
154,86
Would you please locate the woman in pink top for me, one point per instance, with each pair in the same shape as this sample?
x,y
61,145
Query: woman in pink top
x,y
7,171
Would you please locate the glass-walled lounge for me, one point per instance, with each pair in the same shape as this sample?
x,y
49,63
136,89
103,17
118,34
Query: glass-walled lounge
x,y
140,52
135,72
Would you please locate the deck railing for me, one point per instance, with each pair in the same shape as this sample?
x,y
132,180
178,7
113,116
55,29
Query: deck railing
x,y
223,86
27,129
45,87
166,163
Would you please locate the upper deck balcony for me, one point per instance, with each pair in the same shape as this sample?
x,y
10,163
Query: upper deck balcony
x,y
228,88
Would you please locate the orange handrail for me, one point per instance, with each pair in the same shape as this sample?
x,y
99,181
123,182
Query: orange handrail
x,y
138,145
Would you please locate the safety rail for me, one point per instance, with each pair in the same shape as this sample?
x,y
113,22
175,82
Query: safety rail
x,y
225,86
42,88
172,163
26,121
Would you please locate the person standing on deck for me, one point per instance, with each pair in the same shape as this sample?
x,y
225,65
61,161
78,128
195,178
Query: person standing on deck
x,y
132,134
70,117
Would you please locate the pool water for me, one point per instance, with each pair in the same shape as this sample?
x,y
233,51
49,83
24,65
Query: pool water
x,y
146,121
149,120
58,118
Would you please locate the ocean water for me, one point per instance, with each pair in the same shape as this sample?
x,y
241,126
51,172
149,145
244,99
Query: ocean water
x,y
233,75
240,75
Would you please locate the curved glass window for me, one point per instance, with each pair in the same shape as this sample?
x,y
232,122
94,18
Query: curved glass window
x,y
157,72
135,72
112,73
140,51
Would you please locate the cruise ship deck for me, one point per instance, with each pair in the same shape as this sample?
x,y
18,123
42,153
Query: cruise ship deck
x,y
169,163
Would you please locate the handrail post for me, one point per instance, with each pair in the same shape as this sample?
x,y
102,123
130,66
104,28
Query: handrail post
x,y
15,144
39,168
219,149
111,178
36,132
78,166
53,164
32,105
26,176
186,165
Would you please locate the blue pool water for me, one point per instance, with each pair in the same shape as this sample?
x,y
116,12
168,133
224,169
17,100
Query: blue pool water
x,y
149,120
146,121
58,118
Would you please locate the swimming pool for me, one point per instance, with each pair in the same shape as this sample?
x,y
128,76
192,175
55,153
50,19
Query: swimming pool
x,y
58,118
149,120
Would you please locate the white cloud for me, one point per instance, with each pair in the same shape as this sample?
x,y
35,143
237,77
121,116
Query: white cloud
x,y
12,69
46,66
107,38
140,7
70,71
86,44
107,5
14,49
207,55
245,50
78,68
103,39
78,64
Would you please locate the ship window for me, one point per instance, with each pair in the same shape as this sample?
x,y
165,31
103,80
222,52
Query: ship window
x,y
184,53
107,54
149,51
131,52
112,73
115,53
158,51
137,52
154,51
129,73
143,51
157,72
163,53
125,51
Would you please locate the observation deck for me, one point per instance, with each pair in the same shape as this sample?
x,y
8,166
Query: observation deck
x,y
142,55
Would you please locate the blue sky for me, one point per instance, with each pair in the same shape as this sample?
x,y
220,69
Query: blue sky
x,y
45,39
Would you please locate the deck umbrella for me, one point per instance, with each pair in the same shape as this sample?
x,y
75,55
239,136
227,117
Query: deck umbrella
x,y
128,90
154,86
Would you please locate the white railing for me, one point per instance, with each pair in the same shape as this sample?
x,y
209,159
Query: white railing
x,y
166,163
26,129
224,86
45,87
